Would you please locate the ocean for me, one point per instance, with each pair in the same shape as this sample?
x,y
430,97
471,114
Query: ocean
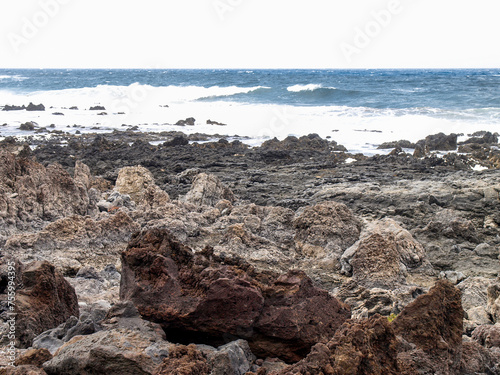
x,y
357,108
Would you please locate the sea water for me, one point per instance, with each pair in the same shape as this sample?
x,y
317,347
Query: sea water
x,y
357,108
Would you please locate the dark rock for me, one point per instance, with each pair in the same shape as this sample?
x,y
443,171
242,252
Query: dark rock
x,y
177,141
13,108
439,142
395,144
281,316
486,138
487,335
97,108
58,114
189,121
210,122
27,126
73,108
35,107
476,359
433,323
45,301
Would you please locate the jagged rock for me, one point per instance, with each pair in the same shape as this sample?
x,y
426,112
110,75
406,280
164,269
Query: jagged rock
x,y
76,240
27,126
493,306
368,346
189,121
449,223
233,358
433,323
326,230
311,142
210,122
179,140
476,359
31,194
138,183
208,190
486,138
97,108
45,300
439,142
35,107
22,370
401,144
487,335
367,302
34,357
281,316
128,345
383,256
475,299
184,360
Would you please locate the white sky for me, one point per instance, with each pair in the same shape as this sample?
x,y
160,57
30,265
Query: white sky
x,y
249,34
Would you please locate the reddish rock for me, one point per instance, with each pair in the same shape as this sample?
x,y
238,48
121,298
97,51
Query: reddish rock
x,y
184,360
476,359
433,323
22,370
34,357
201,296
366,346
44,301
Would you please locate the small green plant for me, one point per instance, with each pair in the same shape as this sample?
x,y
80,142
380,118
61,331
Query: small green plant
x,y
391,317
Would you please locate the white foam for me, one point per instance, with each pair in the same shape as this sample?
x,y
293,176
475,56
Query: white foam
x,y
479,168
308,87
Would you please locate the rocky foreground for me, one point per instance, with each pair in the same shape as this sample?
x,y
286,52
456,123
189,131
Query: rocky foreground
x,y
291,258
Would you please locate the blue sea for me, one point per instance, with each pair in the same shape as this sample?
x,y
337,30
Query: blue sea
x,y
357,108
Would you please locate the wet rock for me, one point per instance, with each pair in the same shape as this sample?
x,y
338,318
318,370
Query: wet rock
x,y
208,190
401,144
368,346
179,140
282,316
139,184
439,142
292,143
383,256
486,138
326,230
45,301
13,107
433,323
27,126
97,108
210,122
189,121
35,107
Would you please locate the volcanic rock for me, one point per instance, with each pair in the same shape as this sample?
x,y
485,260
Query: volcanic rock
x,y
193,296
433,323
383,256
35,107
184,360
208,190
97,108
139,183
439,142
367,346
45,300
326,230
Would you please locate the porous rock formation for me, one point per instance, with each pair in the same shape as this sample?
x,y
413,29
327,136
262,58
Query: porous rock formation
x,y
198,296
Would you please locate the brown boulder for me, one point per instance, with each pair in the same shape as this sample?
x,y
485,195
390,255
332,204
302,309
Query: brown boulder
x,y
184,360
201,296
433,323
326,229
366,346
44,301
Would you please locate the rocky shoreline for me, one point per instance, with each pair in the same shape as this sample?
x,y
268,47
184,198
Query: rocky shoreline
x,y
135,256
